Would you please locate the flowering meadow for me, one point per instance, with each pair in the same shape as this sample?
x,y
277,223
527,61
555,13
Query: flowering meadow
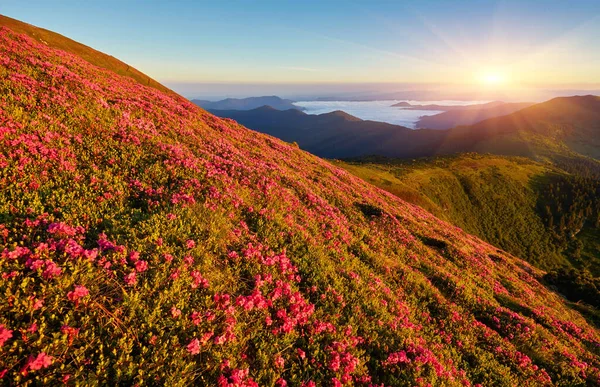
x,y
145,241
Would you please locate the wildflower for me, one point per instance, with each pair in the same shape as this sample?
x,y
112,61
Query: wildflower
x,y
134,256
141,266
206,337
40,361
5,334
175,312
131,278
279,361
190,244
62,230
397,358
189,260
196,318
301,353
219,340
70,332
36,303
79,292
194,347
52,270
174,274
199,281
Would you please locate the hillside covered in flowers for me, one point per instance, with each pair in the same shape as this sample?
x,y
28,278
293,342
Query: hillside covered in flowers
x,y
145,241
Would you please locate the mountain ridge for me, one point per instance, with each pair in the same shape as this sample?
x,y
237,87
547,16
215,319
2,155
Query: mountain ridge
x,y
522,133
465,117
89,54
248,103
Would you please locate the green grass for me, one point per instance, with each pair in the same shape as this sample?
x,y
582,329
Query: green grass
x,y
494,197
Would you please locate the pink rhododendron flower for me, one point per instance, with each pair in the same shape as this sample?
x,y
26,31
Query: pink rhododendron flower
x,y
189,260
63,230
38,362
194,347
141,266
32,328
397,357
279,361
206,337
131,278
52,270
5,334
134,256
220,340
198,280
36,303
79,292
175,313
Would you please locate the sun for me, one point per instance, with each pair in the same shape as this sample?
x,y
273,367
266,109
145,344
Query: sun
x,y
492,78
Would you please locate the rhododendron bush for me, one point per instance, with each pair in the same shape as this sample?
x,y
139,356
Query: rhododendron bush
x,y
143,240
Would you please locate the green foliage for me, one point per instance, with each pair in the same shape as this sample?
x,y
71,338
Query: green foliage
x,y
493,197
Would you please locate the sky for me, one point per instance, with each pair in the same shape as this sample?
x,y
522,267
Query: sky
x,y
241,46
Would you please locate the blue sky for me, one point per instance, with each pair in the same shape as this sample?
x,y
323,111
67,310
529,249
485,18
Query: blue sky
x,y
535,42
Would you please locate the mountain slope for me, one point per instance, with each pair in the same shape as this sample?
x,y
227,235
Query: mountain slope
x,y
561,125
145,241
472,115
539,212
97,58
247,103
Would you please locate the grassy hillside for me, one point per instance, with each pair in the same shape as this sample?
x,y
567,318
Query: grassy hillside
x,y
144,241
561,126
540,212
97,58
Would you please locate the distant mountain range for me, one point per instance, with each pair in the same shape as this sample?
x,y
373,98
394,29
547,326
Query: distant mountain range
x,y
564,124
409,106
469,115
334,135
247,103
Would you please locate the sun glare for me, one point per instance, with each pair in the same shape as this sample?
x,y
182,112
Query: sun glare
x,y
492,78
